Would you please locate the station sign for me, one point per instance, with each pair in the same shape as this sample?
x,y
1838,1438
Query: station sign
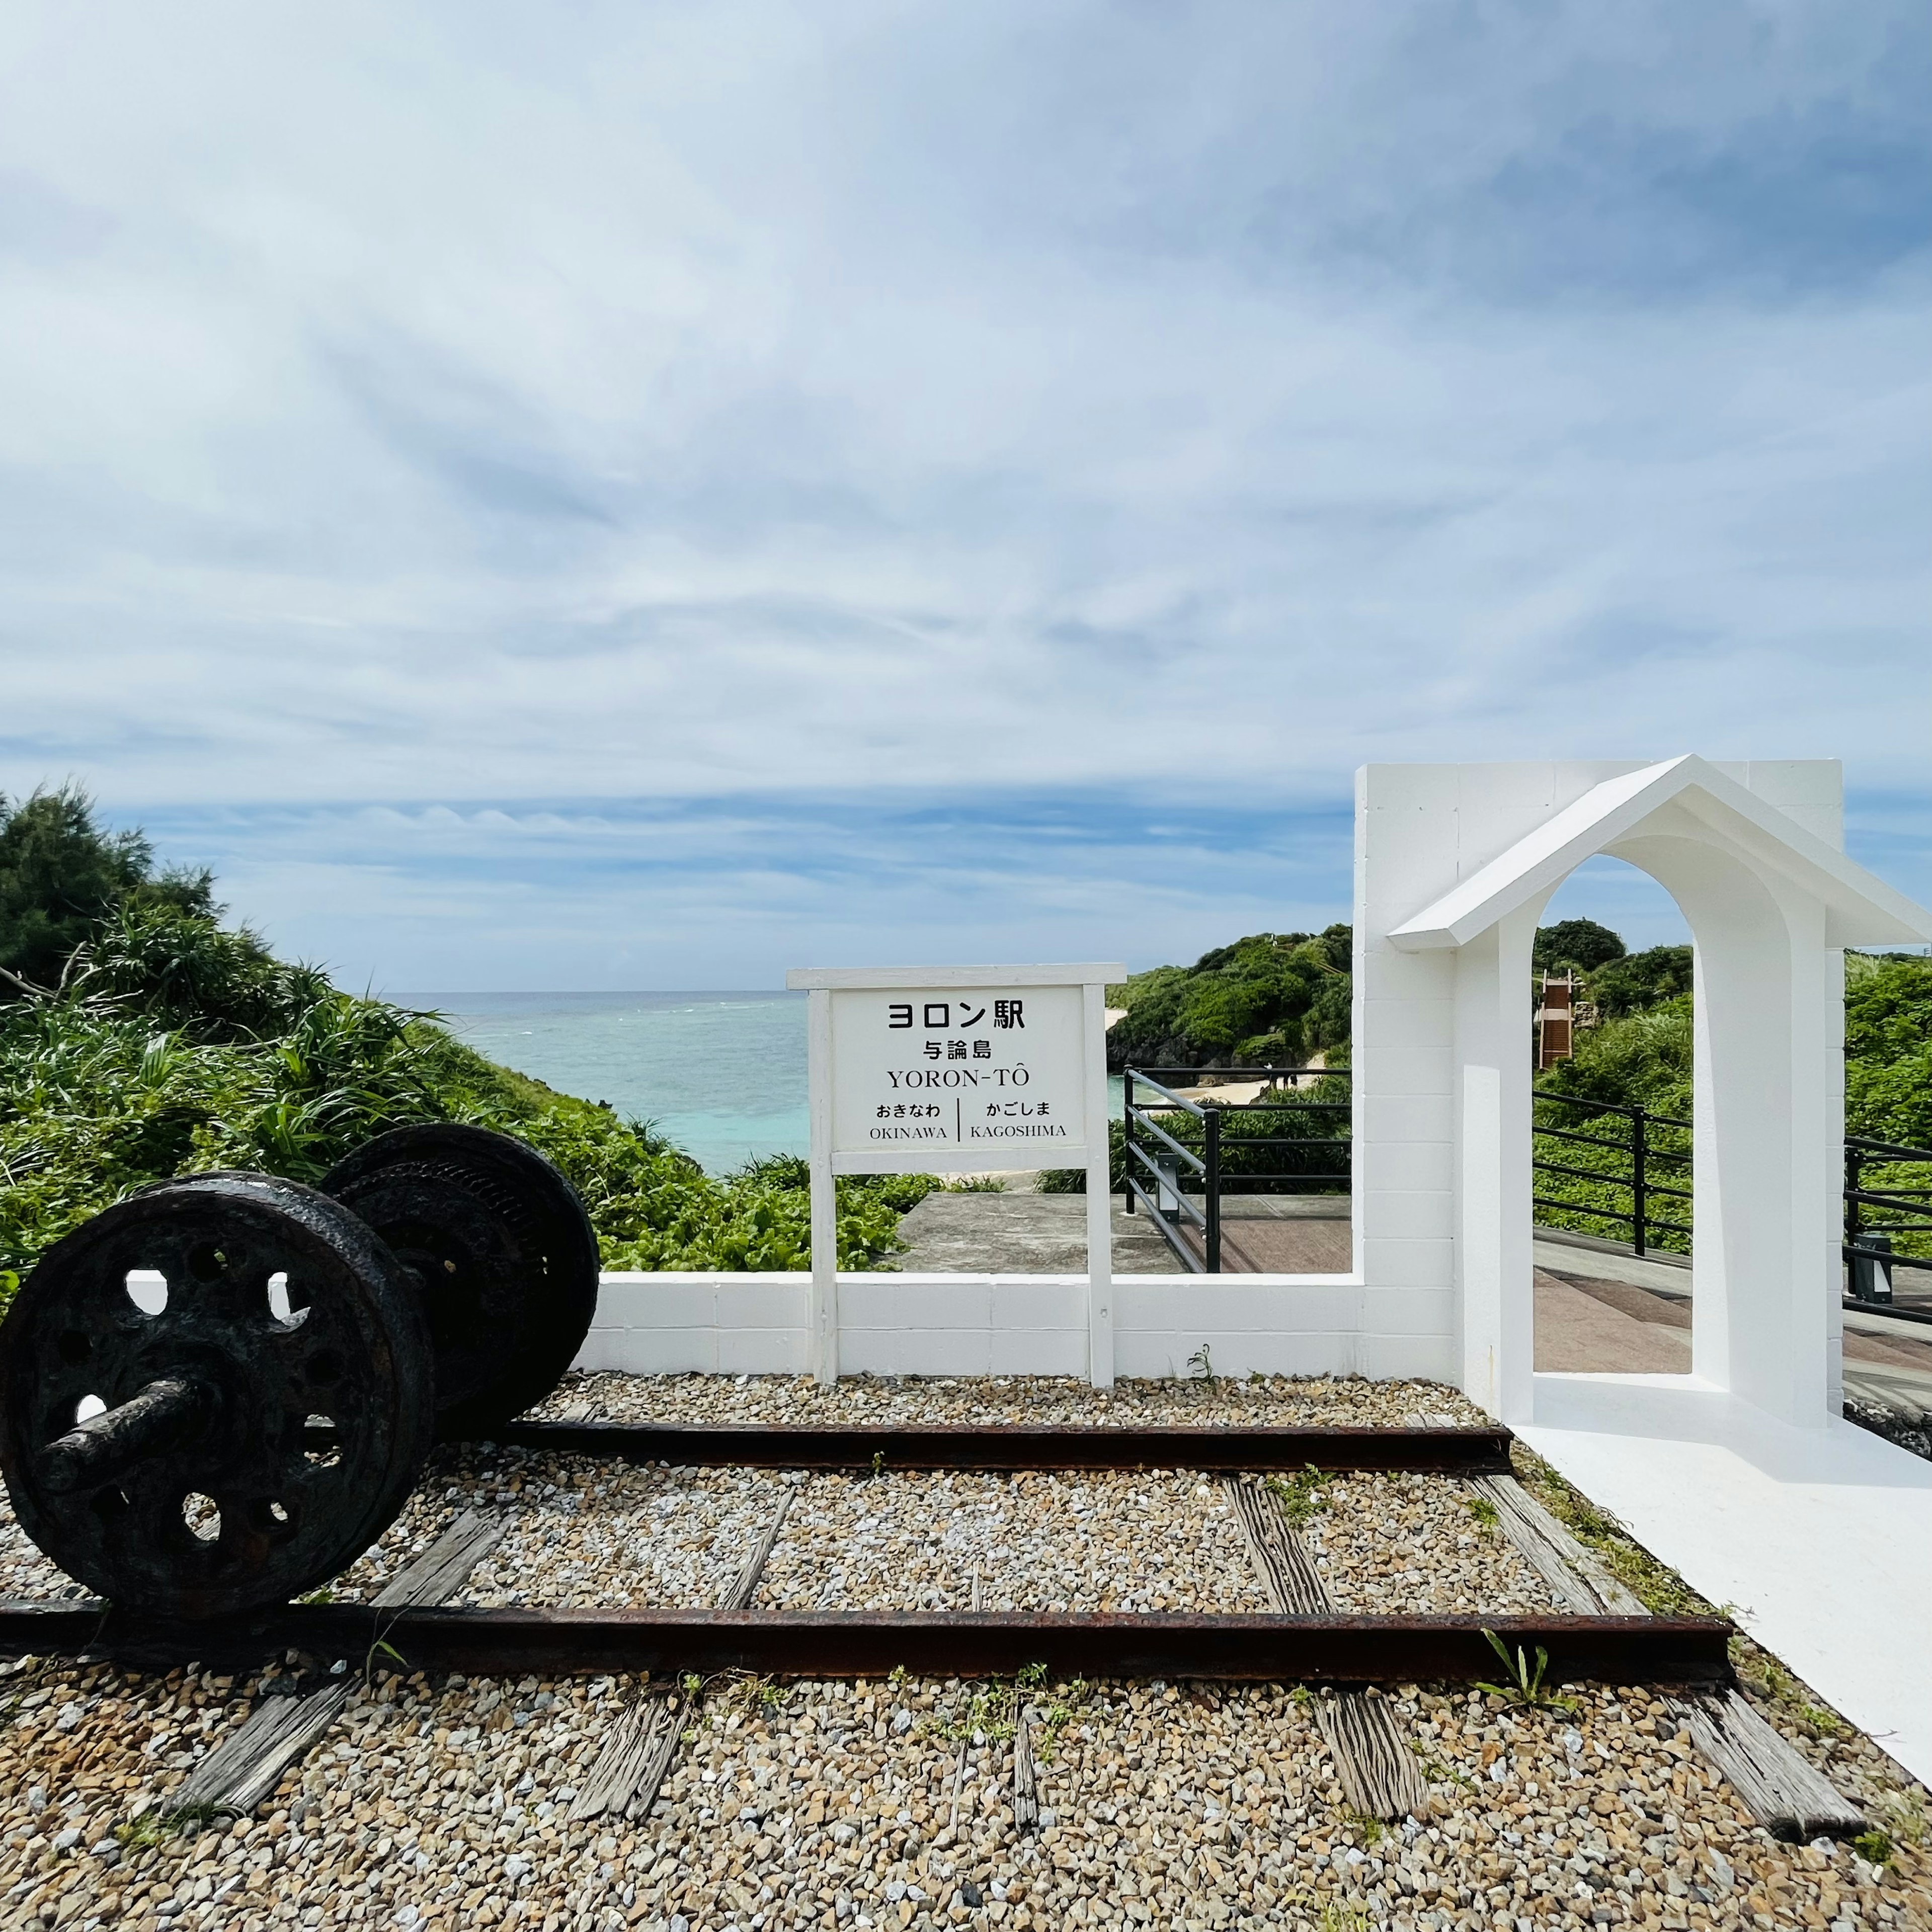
x,y
992,1076
958,1070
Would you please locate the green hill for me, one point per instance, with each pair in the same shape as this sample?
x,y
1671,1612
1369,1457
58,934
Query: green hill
x,y
1274,997
141,1037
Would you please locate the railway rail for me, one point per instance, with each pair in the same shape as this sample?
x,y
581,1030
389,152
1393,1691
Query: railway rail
x,y
825,1643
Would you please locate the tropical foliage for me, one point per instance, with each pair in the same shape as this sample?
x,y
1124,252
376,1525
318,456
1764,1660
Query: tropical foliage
x,y
1644,1061
1273,998
1641,1056
1575,945
164,1042
1249,1165
1889,1081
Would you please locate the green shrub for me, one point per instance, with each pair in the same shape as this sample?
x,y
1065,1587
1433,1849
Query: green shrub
x,y
1642,980
1888,1079
99,1104
1578,945
1272,998
1245,1168
1643,1061
141,1038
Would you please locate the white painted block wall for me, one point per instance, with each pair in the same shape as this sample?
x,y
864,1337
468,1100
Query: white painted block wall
x,y
973,1325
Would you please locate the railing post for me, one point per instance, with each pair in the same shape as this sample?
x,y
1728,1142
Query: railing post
x,y
1854,1161
1639,1178
1211,1180
1127,1140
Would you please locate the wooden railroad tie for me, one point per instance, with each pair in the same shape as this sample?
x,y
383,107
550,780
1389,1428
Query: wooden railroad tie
x,y
1780,1788
636,1757
1377,1771
245,1768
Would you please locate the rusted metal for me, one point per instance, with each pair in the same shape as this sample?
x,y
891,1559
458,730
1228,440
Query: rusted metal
x,y
501,1249
1459,1452
1689,1651
213,1319
165,1415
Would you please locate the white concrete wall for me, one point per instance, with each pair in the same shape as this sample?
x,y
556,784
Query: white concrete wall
x,y
1442,1084
1441,1107
968,1325
1404,1088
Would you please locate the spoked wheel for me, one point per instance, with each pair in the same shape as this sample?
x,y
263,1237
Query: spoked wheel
x,y
213,1396
504,1253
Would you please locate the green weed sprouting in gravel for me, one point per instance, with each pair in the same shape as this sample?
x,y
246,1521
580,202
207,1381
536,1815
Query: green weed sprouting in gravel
x,y
1525,1688
1904,1819
1875,1847
1366,1827
753,1692
1765,1674
977,1720
1485,1512
1439,1770
1299,1495
1338,1918
162,1823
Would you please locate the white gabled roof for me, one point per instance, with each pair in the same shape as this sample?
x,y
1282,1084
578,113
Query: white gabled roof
x,y
1864,910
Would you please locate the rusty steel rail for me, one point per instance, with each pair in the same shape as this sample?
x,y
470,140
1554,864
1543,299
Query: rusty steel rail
x,y
871,1643
1455,1452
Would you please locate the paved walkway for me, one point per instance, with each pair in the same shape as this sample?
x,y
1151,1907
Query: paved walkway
x,y
1023,1233
1598,1307
1820,1539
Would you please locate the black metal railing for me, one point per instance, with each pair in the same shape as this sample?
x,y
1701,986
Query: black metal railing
x,y
1644,1140
1160,1169
1179,1166
1879,1211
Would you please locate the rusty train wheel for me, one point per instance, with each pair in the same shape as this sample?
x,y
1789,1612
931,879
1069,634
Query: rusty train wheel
x,y
503,1252
166,1372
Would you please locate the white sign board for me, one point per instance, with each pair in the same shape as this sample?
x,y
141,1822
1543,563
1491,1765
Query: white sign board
x,y
958,1069
931,1079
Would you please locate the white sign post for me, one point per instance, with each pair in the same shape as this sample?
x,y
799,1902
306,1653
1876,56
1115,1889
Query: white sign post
x,y
956,1070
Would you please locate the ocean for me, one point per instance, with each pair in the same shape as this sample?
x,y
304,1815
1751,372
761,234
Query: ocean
x,y
722,1075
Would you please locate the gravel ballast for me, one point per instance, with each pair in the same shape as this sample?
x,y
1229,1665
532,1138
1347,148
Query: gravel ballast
x,y
444,1803
1042,1401
830,1805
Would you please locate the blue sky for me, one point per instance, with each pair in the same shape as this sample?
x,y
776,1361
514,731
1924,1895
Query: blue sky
x,y
648,495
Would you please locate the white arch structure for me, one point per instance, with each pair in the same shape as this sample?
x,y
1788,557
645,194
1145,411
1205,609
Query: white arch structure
x,y
1454,864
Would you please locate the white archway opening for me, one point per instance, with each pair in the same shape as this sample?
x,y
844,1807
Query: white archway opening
x,y
1455,867
1611,1137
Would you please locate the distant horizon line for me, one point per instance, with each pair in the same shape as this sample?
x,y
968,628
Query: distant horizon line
x,y
586,992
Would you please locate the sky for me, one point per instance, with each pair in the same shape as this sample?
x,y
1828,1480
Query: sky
x,y
646,495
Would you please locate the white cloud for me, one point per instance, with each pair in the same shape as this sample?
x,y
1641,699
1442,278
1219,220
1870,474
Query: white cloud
x,y
482,406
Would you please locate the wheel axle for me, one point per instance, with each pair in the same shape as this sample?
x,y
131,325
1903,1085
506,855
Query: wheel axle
x,y
171,1413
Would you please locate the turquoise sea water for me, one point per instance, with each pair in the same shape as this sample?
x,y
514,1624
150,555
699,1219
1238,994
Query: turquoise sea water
x,y
723,1075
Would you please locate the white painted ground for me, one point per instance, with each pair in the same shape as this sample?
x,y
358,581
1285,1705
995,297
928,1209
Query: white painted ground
x,y
1820,1539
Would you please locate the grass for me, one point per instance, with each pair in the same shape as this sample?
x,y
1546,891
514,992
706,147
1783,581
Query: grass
x,y
1369,1829
102,1097
155,1827
1525,1688
1660,1589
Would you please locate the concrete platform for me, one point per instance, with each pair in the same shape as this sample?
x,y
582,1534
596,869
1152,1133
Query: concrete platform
x,y
1024,1233
1821,1540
